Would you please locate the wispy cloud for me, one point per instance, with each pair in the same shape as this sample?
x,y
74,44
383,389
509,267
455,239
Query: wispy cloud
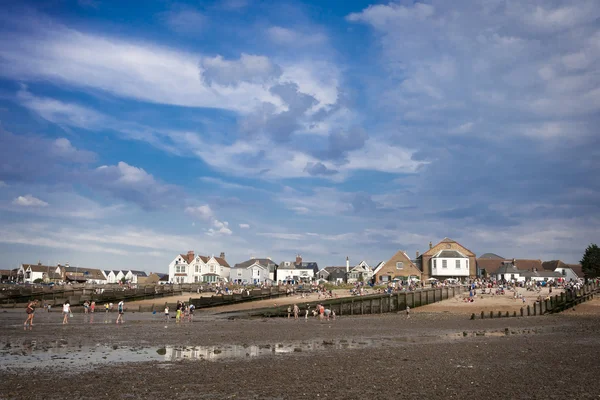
x,y
29,201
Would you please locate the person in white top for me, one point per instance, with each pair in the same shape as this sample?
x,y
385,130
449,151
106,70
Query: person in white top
x,y
66,312
121,309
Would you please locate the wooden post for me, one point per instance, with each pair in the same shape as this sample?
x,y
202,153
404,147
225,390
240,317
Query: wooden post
x,y
362,307
381,305
482,314
491,314
371,307
352,307
499,314
528,310
522,311
514,313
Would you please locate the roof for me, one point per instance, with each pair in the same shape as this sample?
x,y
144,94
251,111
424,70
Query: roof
x,y
88,273
265,262
509,268
379,265
490,265
446,240
138,273
542,274
38,267
449,254
552,265
491,256
161,275
526,264
578,269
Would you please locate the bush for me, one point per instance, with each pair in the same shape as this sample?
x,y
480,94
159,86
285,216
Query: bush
x,y
38,280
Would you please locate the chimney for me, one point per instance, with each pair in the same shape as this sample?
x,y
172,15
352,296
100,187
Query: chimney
x,y
222,255
417,254
347,264
430,245
191,255
39,262
298,259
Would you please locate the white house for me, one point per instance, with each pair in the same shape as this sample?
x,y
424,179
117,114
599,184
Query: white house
x,y
569,272
509,272
132,275
361,272
449,264
191,268
111,276
29,273
254,274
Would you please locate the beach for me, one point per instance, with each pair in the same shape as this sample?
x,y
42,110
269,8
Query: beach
x,y
429,355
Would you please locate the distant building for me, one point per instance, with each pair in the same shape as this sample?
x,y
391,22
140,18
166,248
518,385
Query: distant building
x,y
191,268
361,272
400,268
297,271
447,259
570,272
255,271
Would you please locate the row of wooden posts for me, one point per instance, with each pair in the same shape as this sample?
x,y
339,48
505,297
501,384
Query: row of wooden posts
x,y
553,304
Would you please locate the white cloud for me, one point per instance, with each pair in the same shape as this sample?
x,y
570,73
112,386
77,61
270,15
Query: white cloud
x,y
129,69
244,226
185,20
205,213
290,37
249,68
29,201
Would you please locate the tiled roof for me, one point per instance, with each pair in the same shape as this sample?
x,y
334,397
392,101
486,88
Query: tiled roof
x,y
491,256
577,269
449,254
139,273
38,268
552,265
490,265
526,264
265,262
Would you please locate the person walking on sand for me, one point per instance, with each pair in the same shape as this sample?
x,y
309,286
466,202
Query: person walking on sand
x,y
121,309
30,310
289,310
306,314
191,312
66,312
93,307
407,312
296,311
166,313
178,312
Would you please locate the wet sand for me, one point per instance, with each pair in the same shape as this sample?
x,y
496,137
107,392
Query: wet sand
x,y
430,355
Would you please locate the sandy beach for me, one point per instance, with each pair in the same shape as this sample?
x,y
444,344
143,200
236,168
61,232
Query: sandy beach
x,y
380,357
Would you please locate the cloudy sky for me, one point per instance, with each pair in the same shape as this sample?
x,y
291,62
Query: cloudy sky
x,y
129,134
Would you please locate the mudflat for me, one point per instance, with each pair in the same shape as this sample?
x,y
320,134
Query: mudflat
x,y
429,355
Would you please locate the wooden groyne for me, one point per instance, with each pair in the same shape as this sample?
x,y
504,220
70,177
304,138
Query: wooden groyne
x,y
226,299
368,304
554,304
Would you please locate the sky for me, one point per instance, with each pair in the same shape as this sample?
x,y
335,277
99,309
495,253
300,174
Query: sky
x,y
329,129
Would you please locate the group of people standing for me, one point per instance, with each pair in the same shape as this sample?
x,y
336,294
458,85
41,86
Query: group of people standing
x,y
182,312
88,308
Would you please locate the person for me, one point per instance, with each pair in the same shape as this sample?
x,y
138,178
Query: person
x,y
191,314
93,307
30,310
306,314
296,311
407,312
106,308
327,313
66,312
86,306
121,310
289,310
166,313
178,312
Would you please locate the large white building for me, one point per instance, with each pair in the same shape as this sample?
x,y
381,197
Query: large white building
x,y
449,264
191,268
255,271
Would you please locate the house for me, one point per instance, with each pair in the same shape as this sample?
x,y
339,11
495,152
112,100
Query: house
x,y
154,278
255,271
570,272
132,276
267,263
508,271
298,271
192,268
82,275
542,275
111,276
399,267
447,259
333,274
8,275
488,264
361,272
29,273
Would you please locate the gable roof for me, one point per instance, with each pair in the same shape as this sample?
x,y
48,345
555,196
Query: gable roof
x,y
526,264
578,269
509,268
490,265
265,262
37,267
379,265
139,273
542,274
552,265
445,240
449,254
491,256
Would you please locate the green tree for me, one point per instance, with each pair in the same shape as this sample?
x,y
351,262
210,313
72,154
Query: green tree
x,y
590,263
38,280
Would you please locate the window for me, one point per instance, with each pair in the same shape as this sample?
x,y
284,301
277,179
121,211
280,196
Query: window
x,y
180,268
197,268
212,269
457,263
444,263
239,273
434,263
399,265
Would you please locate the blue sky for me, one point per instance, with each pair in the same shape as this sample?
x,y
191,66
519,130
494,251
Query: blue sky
x,y
130,134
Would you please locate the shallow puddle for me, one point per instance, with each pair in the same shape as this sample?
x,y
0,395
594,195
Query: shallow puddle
x,y
31,353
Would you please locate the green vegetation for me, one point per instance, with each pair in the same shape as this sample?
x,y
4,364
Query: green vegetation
x,y
38,280
590,263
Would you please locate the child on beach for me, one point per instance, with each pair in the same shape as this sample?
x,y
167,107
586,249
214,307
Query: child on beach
x,y
121,309
166,313
30,310
66,312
